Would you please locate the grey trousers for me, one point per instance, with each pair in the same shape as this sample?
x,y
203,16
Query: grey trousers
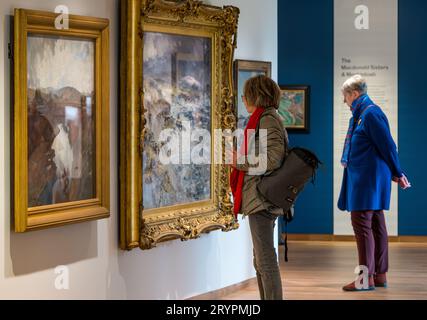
x,y
265,258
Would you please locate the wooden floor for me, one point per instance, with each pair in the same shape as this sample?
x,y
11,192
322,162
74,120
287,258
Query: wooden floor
x,y
318,270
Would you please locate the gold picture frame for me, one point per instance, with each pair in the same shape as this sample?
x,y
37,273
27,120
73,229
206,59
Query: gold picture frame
x,y
61,120
142,20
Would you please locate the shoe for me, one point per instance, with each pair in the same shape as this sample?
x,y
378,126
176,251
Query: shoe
x,y
380,280
352,286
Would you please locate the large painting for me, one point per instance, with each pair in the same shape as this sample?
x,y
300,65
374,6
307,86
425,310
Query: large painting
x,y
243,71
171,187
177,91
61,121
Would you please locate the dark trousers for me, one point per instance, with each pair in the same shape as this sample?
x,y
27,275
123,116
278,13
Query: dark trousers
x,y
372,240
265,258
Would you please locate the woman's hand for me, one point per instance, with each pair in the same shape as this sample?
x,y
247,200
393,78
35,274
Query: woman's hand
x,y
403,182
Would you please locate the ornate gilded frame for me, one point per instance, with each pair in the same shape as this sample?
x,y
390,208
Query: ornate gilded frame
x,y
145,229
43,23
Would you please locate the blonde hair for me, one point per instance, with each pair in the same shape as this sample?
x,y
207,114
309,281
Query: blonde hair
x,y
261,91
355,83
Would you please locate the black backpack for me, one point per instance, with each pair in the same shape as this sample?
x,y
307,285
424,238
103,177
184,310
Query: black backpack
x,y
282,186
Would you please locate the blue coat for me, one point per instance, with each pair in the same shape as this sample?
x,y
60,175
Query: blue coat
x,y
372,162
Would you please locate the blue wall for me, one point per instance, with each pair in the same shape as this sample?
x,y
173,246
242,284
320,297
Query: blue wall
x,y
413,115
306,57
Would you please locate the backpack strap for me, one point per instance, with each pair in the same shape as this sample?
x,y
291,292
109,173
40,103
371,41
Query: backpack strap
x,y
286,240
285,133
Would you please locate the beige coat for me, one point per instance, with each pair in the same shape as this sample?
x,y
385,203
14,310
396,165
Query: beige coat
x,y
277,141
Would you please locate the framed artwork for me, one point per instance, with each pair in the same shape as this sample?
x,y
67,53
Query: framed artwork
x,y
294,107
184,104
243,71
176,76
61,120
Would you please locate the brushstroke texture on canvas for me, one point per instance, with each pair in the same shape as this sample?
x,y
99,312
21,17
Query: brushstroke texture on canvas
x,y
61,145
177,90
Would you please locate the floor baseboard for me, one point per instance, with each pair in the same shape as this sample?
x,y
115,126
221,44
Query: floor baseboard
x,y
218,294
331,237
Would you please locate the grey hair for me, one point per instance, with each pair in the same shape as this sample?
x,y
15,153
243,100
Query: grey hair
x,y
355,83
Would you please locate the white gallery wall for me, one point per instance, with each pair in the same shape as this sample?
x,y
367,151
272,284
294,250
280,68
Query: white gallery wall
x,y
358,25
97,268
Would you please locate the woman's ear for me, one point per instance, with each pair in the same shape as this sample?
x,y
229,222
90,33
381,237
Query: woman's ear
x,y
356,95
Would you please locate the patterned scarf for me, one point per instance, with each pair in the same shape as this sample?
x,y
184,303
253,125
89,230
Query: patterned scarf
x,y
237,177
357,108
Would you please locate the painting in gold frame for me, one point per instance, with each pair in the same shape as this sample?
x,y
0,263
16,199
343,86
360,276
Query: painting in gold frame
x,y
61,120
173,51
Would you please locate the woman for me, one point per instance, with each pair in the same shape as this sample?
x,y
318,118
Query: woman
x,y
261,98
370,162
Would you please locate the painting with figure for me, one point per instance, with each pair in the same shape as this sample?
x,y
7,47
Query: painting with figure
x,y
177,96
61,130
294,107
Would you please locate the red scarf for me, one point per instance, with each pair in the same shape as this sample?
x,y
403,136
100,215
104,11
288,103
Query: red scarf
x,y
237,176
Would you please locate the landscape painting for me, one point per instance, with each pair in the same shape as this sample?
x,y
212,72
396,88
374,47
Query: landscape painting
x,y
177,96
61,120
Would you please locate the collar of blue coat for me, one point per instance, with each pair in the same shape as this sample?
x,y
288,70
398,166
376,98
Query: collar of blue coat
x,y
358,105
